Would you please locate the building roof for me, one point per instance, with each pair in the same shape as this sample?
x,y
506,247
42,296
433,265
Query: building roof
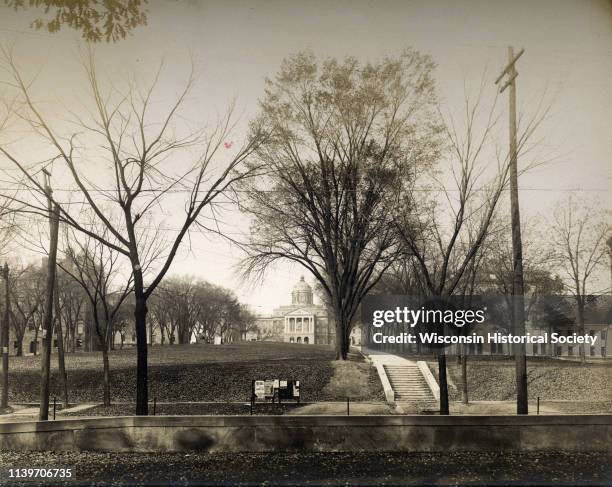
x,y
302,286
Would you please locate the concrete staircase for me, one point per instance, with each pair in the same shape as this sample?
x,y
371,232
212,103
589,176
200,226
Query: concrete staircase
x,y
408,383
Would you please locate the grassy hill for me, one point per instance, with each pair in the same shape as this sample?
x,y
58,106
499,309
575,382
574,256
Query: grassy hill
x,y
550,379
201,372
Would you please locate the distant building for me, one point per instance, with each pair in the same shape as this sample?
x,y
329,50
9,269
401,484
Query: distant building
x,y
551,314
302,321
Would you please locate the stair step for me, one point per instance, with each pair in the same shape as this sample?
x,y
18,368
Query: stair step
x,y
408,381
408,389
408,384
413,398
404,396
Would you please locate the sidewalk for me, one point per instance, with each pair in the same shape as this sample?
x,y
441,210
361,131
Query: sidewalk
x,y
21,413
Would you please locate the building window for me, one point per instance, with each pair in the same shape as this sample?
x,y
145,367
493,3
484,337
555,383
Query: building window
x,y
298,327
305,339
592,350
291,340
604,335
558,350
570,351
603,351
299,340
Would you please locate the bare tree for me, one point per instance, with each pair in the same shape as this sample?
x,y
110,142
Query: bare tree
x,y
580,229
456,211
27,295
95,268
163,315
347,140
188,306
538,257
72,307
142,162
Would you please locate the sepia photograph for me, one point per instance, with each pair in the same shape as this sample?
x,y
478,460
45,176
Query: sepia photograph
x,y
306,243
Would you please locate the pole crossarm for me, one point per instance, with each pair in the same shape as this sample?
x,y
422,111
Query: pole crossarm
x,y
509,82
509,66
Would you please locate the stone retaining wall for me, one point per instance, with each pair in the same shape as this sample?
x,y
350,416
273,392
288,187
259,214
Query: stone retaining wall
x,y
314,433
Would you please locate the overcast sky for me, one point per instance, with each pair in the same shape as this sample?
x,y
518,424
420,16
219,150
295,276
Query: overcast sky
x,y
236,44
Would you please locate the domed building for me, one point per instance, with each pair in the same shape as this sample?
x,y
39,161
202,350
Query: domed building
x,y
302,321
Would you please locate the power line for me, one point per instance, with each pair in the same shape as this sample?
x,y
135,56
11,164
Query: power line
x,y
422,189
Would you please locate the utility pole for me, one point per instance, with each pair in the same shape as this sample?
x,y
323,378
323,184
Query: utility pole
x,y
5,339
45,362
522,406
56,305
609,243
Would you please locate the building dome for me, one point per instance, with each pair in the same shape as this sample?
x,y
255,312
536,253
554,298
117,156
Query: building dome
x,y
302,293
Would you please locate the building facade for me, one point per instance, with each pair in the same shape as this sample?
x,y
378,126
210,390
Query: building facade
x,y
302,321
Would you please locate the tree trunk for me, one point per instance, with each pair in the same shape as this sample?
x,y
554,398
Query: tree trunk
x,y
19,352
107,394
341,326
464,379
60,347
36,341
443,383
346,345
339,340
580,319
142,393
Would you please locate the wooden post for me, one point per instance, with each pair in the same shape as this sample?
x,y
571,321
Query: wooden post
x,y
522,406
5,338
444,408
55,295
45,362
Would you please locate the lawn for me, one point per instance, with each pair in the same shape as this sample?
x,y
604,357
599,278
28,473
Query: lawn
x,y
203,372
549,379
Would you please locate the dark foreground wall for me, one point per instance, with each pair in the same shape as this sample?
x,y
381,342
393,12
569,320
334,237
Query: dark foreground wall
x,y
315,433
